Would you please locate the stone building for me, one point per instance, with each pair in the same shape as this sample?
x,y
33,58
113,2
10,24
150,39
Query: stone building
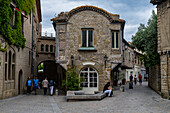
x,y
163,24
91,39
15,63
131,65
46,57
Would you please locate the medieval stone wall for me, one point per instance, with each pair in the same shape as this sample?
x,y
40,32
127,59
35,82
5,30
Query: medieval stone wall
x,y
10,87
154,78
163,19
43,55
163,12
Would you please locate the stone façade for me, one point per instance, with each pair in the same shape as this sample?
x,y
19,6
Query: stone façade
x,y
102,23
20,68
163,24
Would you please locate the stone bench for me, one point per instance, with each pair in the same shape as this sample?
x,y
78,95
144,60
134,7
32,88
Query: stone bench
x,y
80,95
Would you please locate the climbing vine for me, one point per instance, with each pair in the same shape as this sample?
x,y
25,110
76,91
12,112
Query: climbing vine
x,y
3,49
14,35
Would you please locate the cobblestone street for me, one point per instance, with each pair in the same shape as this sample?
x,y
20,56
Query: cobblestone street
x,y
141,99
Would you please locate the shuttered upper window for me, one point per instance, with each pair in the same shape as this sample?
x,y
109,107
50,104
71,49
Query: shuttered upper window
x,y
87,37
115,39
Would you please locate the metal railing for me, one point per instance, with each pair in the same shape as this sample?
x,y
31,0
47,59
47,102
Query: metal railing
x,y
46,34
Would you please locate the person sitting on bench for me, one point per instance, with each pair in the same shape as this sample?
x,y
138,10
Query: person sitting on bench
x,y
108,90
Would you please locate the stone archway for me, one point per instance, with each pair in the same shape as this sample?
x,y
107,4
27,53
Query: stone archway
x,y
53,71
20,82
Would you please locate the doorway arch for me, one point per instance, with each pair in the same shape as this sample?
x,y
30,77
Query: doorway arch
x,y
90,79
53,71
20,85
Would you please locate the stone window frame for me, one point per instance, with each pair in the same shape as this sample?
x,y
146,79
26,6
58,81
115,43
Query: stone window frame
x,y
13,66
22,24
87,38
9,67
42,47
88,76
116,39
6,66
132,58
13,17
46,48
51,48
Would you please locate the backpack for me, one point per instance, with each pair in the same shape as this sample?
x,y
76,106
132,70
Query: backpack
x,y
51,83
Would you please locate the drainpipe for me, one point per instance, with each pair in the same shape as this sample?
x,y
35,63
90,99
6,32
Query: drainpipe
x,y
32,48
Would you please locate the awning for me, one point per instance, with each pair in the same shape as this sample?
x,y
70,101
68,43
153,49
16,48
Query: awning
x,y
115,66
126,67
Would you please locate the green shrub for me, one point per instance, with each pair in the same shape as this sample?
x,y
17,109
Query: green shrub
x,y
72,81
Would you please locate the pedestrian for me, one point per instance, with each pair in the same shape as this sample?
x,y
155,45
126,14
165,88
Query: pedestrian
x,y
131,78
36,84
51,87
135,80
45,85
140,79
108,90
29,84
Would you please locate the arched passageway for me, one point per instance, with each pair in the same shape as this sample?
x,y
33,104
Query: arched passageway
x,y
20,82
53,71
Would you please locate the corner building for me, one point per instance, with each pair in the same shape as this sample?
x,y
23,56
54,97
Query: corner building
x,y
15,63
91,39
163,44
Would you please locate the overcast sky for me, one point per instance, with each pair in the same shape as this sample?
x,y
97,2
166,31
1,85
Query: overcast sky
x,y
133,12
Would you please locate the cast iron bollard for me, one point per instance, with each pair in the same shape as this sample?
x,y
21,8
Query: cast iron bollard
x,y
122,88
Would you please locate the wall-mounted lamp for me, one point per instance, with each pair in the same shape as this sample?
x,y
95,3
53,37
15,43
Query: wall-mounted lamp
x,y
38,40
105,59
72,58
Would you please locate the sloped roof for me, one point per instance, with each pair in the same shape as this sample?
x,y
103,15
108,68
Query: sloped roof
x,y
69,14
155,2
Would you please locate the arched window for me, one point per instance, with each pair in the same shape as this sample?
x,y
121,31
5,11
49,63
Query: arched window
x,y
51,48
13,58
42,47
46,48
6,57
90,78
13,66
9,66
6,64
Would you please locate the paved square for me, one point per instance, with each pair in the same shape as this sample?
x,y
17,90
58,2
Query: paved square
x,y
141,99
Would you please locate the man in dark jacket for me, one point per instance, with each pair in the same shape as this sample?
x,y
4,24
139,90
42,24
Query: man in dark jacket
x,y
107,89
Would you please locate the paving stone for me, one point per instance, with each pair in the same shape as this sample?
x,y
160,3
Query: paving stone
x,y
141,99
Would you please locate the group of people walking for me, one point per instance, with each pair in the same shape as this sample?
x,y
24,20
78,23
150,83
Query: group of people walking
x,y
135,80
35,84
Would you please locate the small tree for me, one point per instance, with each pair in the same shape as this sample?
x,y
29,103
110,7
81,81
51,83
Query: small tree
x,y
145,40
72,80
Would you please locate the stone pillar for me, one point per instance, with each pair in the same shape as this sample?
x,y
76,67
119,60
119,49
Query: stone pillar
x,y
164,75
1,74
